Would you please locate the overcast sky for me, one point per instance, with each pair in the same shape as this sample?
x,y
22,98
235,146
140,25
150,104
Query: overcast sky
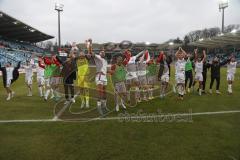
x,y
117,20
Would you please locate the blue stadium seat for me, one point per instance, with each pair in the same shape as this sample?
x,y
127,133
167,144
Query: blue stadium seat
x,y
14,52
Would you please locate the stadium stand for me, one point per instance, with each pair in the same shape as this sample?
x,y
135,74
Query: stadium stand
x,y
17,40
20,46
13,56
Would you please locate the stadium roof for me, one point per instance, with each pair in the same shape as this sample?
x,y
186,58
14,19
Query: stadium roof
x,y
223,40
12,28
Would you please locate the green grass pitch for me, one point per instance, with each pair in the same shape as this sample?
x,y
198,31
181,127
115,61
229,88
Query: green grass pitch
x,y
207,137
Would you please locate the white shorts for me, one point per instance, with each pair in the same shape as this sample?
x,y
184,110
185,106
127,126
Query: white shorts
x,y
101,79
142,80
120,87
47,82
28,80
165,78
230,77
55,80
199,77
131,75
8,83
151,80
132,82
180,79
40,81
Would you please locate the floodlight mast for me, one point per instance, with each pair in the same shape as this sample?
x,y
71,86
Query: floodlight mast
x,y
222,5
59,9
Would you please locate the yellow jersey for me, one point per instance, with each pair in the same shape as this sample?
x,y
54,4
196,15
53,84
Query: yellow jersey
x,y
83,67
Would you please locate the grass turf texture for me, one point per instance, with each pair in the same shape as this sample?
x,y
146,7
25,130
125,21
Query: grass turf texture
x,y
207,137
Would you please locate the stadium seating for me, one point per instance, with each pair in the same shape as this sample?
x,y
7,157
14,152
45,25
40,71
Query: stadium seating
x,y
13,56
222,56
20,46
14,52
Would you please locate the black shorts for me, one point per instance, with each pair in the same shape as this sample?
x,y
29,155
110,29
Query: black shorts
x,y
69,81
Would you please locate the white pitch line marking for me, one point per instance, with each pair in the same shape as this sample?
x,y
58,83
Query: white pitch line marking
x,y
27,121
56,117
118,118
169,115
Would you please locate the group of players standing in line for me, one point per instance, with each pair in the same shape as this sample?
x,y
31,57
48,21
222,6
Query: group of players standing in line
x,y
138,73
184,72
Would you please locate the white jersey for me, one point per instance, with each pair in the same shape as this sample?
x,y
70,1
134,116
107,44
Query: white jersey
x,y
9,71
166,69
28,71
132,60
142,68
101,64
231,67
132,65
132,68
198,67
180,67
40,72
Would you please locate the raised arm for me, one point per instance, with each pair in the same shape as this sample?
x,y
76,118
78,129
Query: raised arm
x,y
184,53
140,53
18,65
47,61
56,61
225,62
142,58
40,64
160,57
177,53
180,51
126,60
88,44
147,56
59,60
204,56
195,55
96,56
